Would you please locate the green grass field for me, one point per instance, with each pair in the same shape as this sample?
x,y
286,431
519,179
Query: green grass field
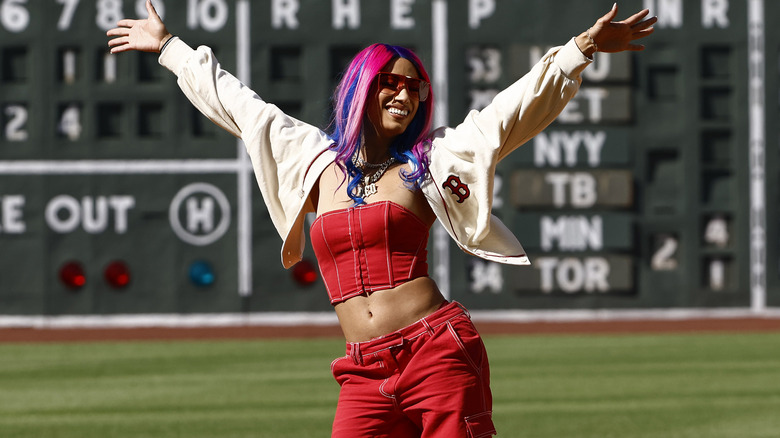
x,y
698,385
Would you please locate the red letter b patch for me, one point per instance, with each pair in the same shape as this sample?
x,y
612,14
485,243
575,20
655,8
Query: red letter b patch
x,y
458,188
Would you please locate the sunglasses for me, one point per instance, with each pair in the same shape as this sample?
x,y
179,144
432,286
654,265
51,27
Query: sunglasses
x,y
392,83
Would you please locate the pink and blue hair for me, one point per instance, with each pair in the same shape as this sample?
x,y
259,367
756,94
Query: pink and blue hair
x,y
350,100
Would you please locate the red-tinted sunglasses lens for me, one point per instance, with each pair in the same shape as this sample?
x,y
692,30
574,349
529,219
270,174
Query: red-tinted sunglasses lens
x,y
393,83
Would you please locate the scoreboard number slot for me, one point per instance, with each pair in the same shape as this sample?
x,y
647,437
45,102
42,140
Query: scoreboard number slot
x,y
109,68
665,256
209,15
108,13
717,274
69,124
485,276
15,123
484,64
14,16
69,61
717,232
66,16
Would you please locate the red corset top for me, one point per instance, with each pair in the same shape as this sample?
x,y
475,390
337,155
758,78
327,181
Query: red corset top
x,y
369,248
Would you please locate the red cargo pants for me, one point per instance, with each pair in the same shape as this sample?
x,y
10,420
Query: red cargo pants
x,y
430,379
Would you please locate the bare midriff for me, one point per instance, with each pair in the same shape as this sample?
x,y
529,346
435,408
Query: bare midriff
x,y
366,317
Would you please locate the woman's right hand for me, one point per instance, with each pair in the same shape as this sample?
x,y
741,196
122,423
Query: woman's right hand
x,y
147,35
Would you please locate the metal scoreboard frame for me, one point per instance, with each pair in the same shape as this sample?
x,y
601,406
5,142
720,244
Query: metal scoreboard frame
x,y
655,189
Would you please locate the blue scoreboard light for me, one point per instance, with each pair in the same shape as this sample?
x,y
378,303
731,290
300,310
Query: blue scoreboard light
x,y
656,187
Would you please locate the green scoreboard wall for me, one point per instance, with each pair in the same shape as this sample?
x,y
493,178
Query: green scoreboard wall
x,y
656,188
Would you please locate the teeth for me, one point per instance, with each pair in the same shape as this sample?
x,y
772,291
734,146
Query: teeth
x,y
398,111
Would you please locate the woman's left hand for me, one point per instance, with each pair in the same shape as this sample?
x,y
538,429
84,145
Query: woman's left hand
x,y
617,36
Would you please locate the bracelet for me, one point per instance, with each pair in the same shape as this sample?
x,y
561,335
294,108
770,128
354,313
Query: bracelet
x,y
165,44
587,32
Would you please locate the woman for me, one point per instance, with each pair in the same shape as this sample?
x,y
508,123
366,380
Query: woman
x,y
415,365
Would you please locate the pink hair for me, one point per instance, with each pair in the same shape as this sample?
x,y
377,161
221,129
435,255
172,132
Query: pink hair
x,y
350,98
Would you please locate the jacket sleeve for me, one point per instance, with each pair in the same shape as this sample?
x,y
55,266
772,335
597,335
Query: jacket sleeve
x,y
529,105
280,147
464,158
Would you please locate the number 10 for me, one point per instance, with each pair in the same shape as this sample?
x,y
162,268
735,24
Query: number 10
x,y
211,15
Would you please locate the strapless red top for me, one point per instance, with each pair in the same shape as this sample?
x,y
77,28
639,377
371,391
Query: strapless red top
x,y
368,248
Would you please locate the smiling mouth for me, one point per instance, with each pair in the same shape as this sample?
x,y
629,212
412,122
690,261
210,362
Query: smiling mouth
x,y
398,112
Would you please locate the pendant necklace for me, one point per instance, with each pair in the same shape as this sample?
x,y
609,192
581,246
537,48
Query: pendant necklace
x,y
367,186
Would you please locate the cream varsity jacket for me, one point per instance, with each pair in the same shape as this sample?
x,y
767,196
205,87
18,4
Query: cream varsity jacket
x,y
288,155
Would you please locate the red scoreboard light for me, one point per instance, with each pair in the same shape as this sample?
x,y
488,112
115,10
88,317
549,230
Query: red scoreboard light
x,y
304,273
117,274
72,275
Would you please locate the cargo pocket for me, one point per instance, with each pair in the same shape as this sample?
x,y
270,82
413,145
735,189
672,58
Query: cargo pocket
x,y
469,342
480,425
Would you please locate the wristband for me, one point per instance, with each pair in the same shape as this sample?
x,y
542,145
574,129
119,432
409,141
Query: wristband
x,y
165,44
